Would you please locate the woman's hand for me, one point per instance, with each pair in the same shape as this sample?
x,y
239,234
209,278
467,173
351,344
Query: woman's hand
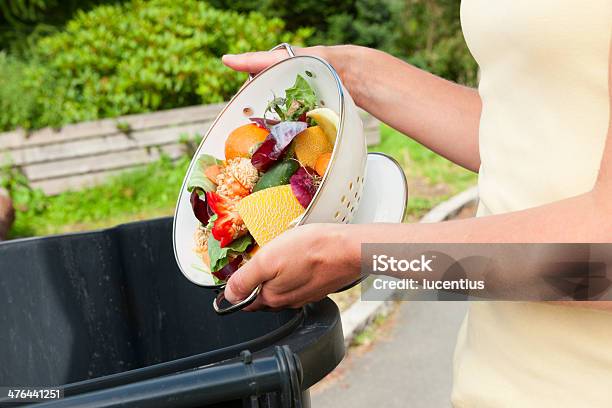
x,y
344,58
300,266
430,109
253,62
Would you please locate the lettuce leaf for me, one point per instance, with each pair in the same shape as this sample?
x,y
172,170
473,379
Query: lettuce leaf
x,y
298,100
198,179
211,222
219,257
303,94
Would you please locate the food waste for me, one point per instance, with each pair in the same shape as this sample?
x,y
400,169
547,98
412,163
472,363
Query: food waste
x,y
272,169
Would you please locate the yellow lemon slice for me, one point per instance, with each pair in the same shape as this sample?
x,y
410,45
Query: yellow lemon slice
x,y
269,212
328,120
310,144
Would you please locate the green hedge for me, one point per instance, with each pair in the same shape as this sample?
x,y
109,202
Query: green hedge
x,y
17,106
136,57
426,33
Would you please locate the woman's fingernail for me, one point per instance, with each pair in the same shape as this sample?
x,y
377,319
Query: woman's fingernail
x,y
229,294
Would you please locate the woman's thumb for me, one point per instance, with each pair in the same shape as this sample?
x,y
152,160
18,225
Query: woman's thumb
x,y
242,283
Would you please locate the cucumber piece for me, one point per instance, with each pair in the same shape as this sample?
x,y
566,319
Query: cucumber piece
x,y
278,175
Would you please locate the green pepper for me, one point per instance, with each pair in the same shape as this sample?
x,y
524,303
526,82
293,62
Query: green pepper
x,y
278,175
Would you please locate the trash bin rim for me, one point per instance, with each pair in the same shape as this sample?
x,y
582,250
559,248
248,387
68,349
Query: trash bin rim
x,y
186,363
77,234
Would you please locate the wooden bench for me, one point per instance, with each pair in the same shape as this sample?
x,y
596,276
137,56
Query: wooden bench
x,y
87,153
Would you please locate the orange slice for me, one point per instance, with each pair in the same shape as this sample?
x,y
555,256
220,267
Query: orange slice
x,y
269,212
310,144
242,139
322,163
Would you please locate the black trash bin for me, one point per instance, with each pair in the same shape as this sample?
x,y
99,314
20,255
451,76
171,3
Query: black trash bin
x,y
109,318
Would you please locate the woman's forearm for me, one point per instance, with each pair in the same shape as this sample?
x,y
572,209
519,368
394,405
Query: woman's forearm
x,y
582,219
440,114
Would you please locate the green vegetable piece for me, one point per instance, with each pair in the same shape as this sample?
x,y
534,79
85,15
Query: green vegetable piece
x,y
278,175
299,99
303,94
198,179
219,257
211,222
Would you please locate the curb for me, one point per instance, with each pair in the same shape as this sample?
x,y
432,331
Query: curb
x,y
452,206
361,314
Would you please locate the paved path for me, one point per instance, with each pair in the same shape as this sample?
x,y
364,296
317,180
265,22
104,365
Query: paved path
x,y
408,366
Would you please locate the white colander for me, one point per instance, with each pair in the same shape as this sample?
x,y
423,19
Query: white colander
x,y
339,194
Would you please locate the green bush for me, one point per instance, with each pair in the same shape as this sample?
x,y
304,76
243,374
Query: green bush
x,y
22,22
426,33
141,56
363,22
138,56
17,107
369,23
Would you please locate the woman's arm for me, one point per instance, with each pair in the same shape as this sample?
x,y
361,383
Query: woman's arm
x,y
439,114
329,254
308,262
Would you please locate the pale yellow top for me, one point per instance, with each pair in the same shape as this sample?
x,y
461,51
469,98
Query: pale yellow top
x,y
544,87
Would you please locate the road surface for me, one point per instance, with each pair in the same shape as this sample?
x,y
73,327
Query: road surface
x,y
408,365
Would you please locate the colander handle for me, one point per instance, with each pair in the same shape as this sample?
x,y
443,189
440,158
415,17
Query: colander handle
x,y
351,285
287,48
238,306
251,298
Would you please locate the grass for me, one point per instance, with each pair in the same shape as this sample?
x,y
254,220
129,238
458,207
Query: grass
x,y
148,192
379,326
431,178
151,192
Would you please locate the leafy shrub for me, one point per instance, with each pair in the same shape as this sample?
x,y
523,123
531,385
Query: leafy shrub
x,y
24,21
16,106
362,22
138,56
25,198
142,56
369,23
426,33
429,36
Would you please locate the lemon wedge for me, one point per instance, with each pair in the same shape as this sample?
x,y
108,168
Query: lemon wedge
x,y
328,120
